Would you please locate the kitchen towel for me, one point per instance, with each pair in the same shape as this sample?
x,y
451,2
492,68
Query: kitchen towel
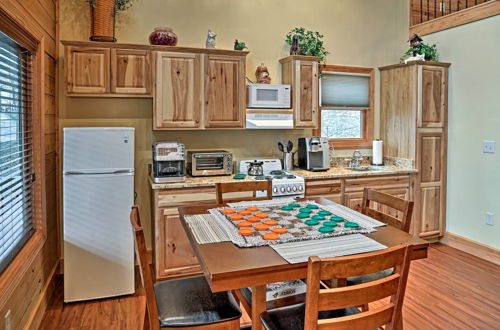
x,y
296,252
206,229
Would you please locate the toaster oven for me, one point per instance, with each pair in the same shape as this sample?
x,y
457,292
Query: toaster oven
x,y
210,162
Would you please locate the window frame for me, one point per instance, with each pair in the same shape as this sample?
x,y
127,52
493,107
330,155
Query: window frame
x,y
365,142
22,262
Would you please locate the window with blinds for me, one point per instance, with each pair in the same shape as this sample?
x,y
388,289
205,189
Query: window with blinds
x,y
16,149
345,97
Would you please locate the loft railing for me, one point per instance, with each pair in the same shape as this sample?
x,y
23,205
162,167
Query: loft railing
x,y
427,10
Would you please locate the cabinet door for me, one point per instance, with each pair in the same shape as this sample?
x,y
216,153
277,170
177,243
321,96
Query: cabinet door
x,y
330,189
224,91
87,70
306,94
175,256
431,180
177,103
433,97
131,71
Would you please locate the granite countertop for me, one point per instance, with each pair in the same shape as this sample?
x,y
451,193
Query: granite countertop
x,y
342,172
334,172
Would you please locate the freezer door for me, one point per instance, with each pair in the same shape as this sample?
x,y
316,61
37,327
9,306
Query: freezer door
x,y
98,238
98,149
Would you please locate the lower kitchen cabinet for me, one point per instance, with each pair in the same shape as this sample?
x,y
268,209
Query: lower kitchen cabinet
x,y
330,189
172,253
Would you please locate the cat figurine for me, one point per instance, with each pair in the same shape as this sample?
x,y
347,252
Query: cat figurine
x,y
211,39
417,57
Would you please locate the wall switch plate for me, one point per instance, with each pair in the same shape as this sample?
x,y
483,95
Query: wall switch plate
x,y
8,320
489,147
489,219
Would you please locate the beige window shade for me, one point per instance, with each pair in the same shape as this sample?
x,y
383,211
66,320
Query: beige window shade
x,y
339,90
16,149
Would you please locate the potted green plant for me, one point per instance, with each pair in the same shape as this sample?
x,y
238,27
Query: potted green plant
x,y
305,42
102,13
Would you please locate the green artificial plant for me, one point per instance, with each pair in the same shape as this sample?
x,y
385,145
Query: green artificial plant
x,y
430,52
120,5
310,42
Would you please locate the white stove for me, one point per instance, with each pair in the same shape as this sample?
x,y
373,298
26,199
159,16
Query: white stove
x,y
285,184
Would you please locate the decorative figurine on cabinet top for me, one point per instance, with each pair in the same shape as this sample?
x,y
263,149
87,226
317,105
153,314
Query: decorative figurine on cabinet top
x,y
211,39
420,51
239,45
262,74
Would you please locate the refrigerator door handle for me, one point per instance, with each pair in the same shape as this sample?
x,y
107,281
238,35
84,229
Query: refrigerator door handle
x,y
123,172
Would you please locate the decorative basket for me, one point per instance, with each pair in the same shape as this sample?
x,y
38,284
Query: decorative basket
x,y
102,27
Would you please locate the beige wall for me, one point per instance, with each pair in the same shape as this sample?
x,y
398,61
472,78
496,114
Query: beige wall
x,y
474,116
357,32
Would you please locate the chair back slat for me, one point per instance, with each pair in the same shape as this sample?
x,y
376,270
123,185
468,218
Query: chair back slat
x,y
371,320
366,263
405,207
358,295
392,286
243,186
147,279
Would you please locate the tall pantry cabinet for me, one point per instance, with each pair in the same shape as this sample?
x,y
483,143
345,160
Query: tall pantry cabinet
x,y
414,125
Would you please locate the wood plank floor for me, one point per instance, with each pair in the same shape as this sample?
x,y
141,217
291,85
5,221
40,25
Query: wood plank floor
x,y
449,290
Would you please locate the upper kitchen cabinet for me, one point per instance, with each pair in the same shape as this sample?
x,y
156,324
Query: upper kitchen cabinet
x,y
87,70
107,71
224,91
413,125
178,86
302,73
131,71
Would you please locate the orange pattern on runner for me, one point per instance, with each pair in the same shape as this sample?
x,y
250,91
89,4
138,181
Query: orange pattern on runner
x,y
253,219
270,236
270,222
252,208
261,215
245,231
228,211
261,226
235,217
280,230
244,224
244,212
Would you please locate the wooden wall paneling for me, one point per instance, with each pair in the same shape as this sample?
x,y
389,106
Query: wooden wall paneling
x,y
398,99
178,85
432,96
31,288
224,89
131,71
87,70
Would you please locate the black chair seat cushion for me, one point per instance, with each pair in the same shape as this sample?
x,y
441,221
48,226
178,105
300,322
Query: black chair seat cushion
x,y
292,317
354,280
189,302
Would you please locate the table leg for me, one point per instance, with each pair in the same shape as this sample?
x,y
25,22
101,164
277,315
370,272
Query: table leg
x,y
258,305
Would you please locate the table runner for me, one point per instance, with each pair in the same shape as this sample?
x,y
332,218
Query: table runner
x,y
297,252
353,215
206,229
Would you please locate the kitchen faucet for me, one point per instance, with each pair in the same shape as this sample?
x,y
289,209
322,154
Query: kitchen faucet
x,y
356,159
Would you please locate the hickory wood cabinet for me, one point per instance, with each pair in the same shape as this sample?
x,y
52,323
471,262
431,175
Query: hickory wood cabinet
x,y
302,73
413,106
197,91
107,72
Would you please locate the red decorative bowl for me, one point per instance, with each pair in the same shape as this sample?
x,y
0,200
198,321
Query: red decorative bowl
x,y
163,36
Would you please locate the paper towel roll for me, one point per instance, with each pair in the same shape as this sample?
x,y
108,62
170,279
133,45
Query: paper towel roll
x,y
377,158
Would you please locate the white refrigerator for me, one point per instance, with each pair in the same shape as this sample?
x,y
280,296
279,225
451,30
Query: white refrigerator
x,y
98,192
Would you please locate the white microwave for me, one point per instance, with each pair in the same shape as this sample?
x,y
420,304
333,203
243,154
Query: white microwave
x,y
268,96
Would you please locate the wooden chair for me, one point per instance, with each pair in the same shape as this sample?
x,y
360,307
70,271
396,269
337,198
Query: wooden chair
x,y
186,303
402,205
332,308
244,186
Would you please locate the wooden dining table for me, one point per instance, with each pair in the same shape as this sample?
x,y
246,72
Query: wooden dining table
x,y
229,267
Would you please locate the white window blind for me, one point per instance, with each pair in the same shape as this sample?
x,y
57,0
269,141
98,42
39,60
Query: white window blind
x,y
16,149
339,90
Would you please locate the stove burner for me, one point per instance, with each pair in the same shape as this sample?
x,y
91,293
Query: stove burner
x,y
290,176
277,172
263,177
